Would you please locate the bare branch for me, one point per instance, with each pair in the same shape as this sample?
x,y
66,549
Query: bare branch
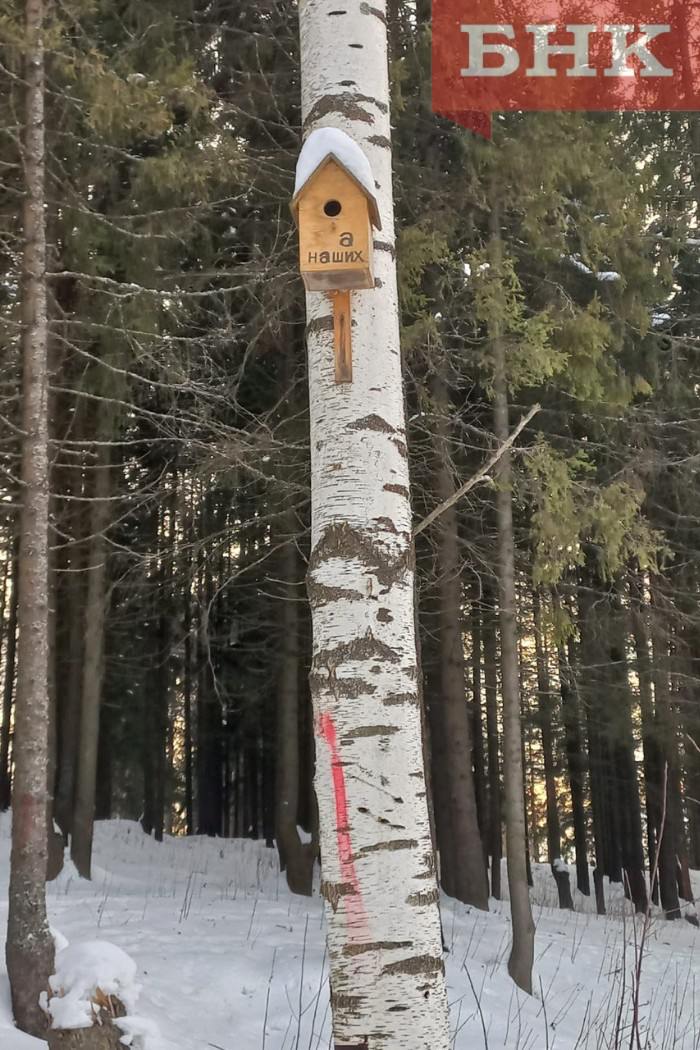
x,y
480,475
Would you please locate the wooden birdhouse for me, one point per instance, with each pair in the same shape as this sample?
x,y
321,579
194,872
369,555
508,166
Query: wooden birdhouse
x,y
336,209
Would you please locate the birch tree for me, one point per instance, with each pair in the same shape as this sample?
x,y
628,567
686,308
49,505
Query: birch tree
x,y
29,943
379,882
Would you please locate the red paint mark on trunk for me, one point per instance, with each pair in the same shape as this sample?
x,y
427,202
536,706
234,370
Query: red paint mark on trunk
x,y
354,908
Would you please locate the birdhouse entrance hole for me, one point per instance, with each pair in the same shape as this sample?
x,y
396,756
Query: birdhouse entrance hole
x,y
332,208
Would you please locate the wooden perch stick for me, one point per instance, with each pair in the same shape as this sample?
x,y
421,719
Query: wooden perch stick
x,y
342,336
480,475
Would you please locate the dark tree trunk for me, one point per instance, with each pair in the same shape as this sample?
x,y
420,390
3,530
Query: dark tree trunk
x,y
459,842
667,735
9,685
72,616
629,807
652,755
575,758
546,718
105,766
690,712
187,696
490,645
96,600
521,959
478,731
594,704
296,858
210,733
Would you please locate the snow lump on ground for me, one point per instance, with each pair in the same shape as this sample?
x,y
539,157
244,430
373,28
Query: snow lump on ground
x,y
82,971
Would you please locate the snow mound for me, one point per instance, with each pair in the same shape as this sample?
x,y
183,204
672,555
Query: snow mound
x,y
82,969
138,1031
326,142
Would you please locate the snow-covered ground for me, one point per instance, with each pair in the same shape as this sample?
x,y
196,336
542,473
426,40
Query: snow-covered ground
x,y
228,960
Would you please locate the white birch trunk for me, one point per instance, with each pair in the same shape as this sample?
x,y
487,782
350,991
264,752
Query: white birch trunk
x,y
379,882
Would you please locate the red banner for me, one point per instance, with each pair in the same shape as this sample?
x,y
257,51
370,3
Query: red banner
x,y
493,56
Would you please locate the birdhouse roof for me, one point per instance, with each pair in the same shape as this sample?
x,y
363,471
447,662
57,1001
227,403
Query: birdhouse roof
x,y
330,145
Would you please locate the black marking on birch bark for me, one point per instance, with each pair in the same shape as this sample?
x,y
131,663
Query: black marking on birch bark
x,y
381,141
372,422
400,490
365,648
350,1004
345,688
332,13
357,47
376,946
416,965
391,846
378,283
344,541
333,892
319,325
398,1009
387,525
348,83
399,699
366,9
429,873
384,616
347,104
388,824
423,899
384,246
367,731
320,594
401,447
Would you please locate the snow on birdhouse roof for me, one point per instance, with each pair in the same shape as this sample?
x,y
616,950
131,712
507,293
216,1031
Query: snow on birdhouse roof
x,y
326,144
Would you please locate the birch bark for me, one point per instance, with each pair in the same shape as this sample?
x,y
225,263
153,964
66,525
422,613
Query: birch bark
x,y
387,972
29,949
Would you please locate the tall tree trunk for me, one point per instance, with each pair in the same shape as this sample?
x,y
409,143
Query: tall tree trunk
x,y
93,661
386,966
592,691
522,954
652,758
495,844
296,857
187,690
575,758
210,743
690,711
8,688
30,949
667,735
629,806
546,716
478,731
459,842
72,616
